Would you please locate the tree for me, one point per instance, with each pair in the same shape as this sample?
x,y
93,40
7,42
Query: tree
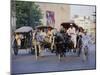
x,y
27,14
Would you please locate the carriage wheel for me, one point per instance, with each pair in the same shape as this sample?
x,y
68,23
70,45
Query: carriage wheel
x,y
15,51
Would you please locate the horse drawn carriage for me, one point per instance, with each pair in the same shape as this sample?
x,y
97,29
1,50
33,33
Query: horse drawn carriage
x,y
46,37
69,43
43,39
22,39
60,42
71,36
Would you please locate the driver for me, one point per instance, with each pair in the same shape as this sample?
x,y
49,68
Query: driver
x,y
72,32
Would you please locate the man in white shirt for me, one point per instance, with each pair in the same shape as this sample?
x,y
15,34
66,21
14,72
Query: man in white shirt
x,y
42,35
72,32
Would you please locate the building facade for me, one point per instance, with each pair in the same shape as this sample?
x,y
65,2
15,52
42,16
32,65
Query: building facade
x,y
87,24
54,14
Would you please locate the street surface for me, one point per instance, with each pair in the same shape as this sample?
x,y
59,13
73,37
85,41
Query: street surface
x,y
47,62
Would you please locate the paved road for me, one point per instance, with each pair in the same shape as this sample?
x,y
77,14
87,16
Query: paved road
x,y
26,63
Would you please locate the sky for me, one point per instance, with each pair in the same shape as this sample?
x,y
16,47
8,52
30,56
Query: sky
x,y
82,10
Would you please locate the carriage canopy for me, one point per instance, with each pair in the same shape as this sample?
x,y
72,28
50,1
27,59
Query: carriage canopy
x,y
25,35
68,25
24,29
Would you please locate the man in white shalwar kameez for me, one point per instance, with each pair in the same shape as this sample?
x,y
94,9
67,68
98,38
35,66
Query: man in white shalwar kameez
x,y
72,32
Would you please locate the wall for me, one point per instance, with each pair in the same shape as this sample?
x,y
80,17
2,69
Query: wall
x,y
61,13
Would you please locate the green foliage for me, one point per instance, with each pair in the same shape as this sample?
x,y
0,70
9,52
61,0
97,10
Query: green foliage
x,y
27,14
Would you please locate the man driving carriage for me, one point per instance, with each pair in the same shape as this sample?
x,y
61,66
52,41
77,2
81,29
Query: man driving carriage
x,y
72,32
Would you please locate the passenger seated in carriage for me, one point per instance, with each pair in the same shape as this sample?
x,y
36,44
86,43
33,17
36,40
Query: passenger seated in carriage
x,y
43,34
